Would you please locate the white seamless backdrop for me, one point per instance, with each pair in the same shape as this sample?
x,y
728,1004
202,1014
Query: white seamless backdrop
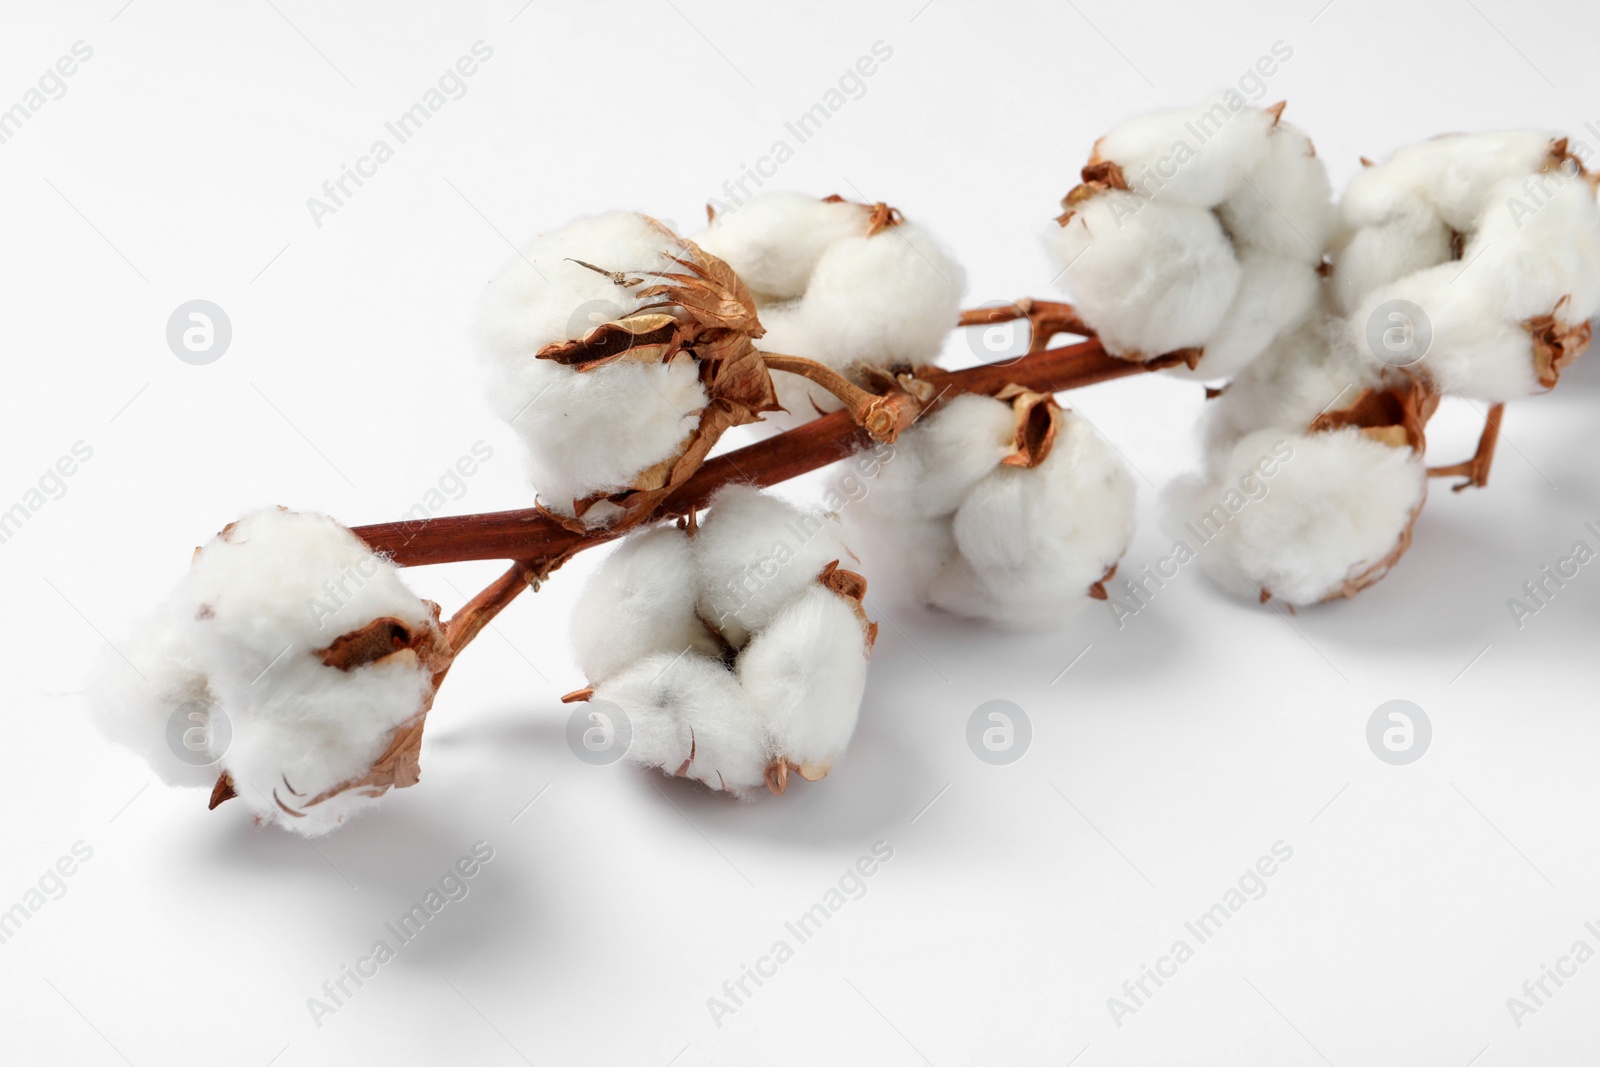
x,y
1204,753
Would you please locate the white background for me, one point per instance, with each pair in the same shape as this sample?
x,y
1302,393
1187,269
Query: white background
x,y
1170,756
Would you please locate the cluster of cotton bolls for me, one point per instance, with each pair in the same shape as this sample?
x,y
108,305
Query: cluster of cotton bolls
x,y
1008,510
1197,232
290,660
734,650
1470,263
1477,255
853,286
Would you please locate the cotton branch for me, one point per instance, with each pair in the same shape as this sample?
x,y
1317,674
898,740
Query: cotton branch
x,y
534,536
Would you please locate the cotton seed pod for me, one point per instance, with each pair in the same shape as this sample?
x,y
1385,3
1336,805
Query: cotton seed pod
x,y
1006,509
296,667
1313,514
1197,235
852,286
620,352
1474,259
735,647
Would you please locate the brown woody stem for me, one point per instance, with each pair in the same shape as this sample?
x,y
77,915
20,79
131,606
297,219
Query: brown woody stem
x,y
1476,469
532,535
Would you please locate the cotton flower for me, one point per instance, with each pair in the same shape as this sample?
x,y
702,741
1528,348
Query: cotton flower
x,y
852,286
1476,258
1008,510
1197,235
736,649
1312,510
619,352
292,661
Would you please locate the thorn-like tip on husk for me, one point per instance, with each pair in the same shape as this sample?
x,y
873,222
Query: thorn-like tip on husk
x,y
222,791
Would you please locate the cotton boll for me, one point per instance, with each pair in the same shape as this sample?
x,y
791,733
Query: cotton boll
x,y
1223,142
806,673
735,648
1150,277
886,300
1032,541
639,602
774,240
267,597
688,716
754,553
312,652
1335,514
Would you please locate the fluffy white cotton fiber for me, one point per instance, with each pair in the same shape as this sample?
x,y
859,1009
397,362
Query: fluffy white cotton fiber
x,y
730,657
241,643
